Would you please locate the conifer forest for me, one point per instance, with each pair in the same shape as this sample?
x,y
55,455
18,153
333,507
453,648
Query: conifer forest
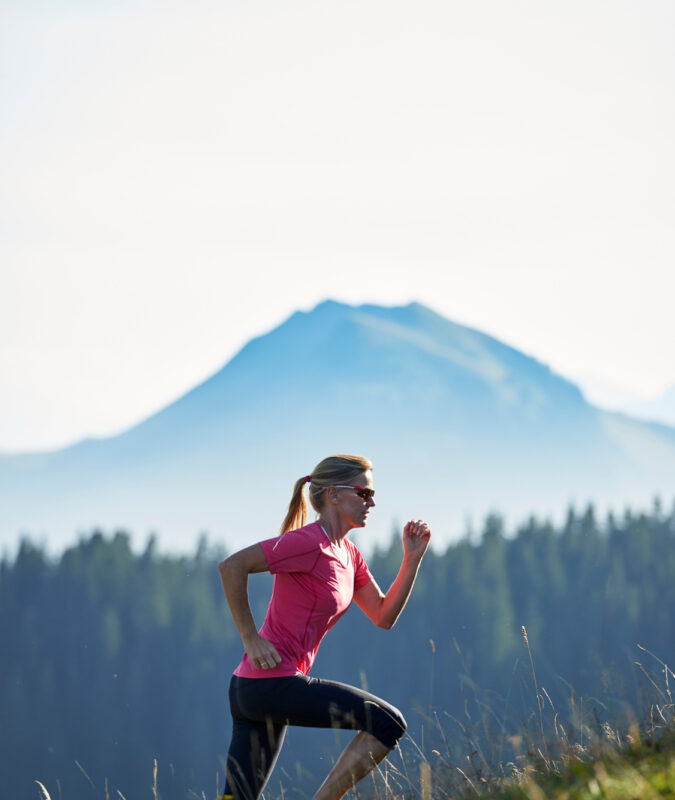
x,y
113,660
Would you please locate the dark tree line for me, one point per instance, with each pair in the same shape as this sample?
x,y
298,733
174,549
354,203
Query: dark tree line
x,y
110,659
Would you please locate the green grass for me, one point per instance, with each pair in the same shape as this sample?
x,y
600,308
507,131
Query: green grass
x,y
584,760
642,770
620,760
638,764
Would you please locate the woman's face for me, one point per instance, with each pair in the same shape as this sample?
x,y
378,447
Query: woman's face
x,y
352,508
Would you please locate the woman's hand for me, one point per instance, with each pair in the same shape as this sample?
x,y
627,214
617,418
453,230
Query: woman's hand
x,y
416,535
261,653
384,609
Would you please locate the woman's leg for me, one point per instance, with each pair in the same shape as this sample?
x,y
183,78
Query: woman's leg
x,y
253,752
262,707
256,741
360,756
328,704
317,703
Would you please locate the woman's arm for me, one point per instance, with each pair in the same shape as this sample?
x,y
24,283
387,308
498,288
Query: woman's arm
x,y
384,609
234,572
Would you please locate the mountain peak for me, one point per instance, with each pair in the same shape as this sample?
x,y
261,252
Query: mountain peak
x,y
456,421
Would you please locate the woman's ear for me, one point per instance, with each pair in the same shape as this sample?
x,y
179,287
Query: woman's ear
x,y
331,493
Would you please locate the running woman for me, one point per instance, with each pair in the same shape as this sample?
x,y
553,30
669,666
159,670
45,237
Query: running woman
x,y
317,573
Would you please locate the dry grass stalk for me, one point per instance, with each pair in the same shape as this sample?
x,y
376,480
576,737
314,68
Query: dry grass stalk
x,y
44,791
666,670
83,771
425,780
467,779
536,690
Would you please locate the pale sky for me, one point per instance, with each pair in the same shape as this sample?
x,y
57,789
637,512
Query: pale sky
x,y
181,176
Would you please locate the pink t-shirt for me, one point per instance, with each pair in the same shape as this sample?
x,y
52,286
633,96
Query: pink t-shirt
x,y
312,590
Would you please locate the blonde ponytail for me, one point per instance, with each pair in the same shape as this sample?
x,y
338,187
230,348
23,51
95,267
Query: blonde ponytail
x,y
297,508
329,472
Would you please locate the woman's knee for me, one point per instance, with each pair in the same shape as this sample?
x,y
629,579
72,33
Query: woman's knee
x,y
389,725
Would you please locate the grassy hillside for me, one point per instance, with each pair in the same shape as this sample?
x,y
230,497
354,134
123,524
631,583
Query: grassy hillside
x,y
639,764
636,762
629,760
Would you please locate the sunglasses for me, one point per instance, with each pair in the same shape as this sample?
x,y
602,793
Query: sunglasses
x,y
363,493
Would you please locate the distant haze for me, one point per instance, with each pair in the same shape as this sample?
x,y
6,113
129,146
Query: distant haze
x,y
180,177
457,424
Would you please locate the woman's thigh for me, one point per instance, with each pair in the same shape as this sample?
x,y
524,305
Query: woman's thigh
x,y
313,702
251,757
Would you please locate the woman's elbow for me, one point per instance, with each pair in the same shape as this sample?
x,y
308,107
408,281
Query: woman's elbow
x,y
227,567
382,616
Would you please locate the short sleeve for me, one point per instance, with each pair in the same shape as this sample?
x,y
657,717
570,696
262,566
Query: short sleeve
x,y
295,551
362,575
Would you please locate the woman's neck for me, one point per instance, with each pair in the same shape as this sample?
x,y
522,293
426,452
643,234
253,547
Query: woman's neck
x,y
333,529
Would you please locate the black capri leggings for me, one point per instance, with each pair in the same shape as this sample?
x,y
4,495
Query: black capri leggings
x,y
263,707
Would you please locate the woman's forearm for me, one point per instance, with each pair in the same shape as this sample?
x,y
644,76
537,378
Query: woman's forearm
x,y
395,599
235,585
234,572
384,609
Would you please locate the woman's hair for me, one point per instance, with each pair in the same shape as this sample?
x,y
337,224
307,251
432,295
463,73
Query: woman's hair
x,y
330,471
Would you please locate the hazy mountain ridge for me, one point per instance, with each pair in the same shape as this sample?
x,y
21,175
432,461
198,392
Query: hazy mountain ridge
x,y
661,408
612,397
455,421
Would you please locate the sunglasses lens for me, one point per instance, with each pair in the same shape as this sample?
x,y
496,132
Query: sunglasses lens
x,y
366,494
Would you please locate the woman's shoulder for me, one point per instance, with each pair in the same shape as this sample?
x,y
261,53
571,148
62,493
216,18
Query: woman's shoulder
x,y
294,551
312,530
307,536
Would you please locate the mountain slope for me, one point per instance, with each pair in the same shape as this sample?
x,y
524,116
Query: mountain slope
x,y
661,408
455,421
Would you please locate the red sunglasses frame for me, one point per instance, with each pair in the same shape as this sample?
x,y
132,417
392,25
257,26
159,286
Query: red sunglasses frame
x,y
363,492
